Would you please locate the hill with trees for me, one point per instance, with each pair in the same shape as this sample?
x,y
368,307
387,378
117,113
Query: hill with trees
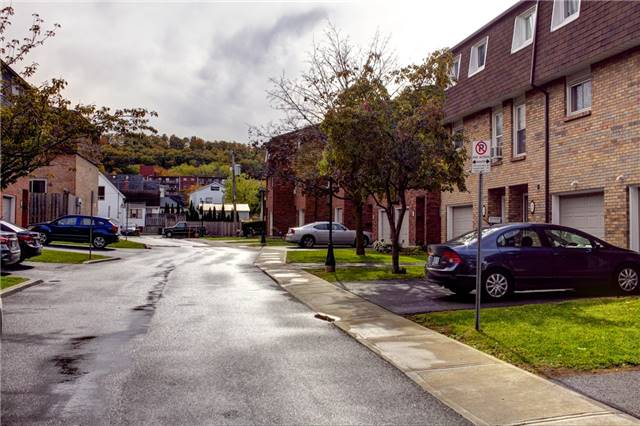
x,y
173,155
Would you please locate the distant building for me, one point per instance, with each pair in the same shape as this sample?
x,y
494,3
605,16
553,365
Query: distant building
x,y
111,202
212,193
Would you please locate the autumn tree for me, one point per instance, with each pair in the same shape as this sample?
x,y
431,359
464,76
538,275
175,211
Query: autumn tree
x,y
311,105
38,123
410,147
246,192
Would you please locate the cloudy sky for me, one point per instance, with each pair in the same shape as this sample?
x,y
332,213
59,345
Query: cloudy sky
x,y
205,66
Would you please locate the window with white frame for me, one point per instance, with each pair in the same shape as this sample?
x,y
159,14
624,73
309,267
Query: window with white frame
x,y
458,131
564,11
519,129
523,29
38,186
454,72
478,56
497,122
579,93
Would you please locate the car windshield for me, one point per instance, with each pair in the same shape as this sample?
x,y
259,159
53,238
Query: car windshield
x,y
471,237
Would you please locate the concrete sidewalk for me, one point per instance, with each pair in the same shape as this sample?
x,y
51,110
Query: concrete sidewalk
x,y
478,386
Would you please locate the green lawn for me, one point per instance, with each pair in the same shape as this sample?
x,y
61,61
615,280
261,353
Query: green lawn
x,y
366,273
59,256
120,244
578,335
347,255
10,280
127,244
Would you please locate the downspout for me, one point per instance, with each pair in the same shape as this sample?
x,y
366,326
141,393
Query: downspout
x,y
547,196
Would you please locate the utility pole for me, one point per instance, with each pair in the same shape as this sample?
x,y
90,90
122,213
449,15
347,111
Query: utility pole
x,y
233,189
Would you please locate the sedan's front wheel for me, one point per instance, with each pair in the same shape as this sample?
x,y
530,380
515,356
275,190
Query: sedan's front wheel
x,y
497,285
628,279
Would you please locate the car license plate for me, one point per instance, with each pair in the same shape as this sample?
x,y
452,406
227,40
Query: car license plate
x,y
434,260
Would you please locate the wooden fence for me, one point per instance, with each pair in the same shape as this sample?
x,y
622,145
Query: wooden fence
x,y
49,206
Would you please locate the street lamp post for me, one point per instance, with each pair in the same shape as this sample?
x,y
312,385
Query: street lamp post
x,y
201,211
263,239
330,262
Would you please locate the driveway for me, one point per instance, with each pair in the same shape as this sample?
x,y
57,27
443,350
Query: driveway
x,y
190,334
414,296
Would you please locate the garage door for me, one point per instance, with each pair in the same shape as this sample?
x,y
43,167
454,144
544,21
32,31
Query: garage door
x,y
384,229
583,212
462,220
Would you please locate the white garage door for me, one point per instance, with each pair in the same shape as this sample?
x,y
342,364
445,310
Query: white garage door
x,y
384,230
583,212
462,220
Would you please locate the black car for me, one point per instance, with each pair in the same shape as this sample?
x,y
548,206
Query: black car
x,y
77,228
29,241
9,248
182,229
527,256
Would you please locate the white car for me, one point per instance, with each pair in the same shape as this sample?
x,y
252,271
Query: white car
x,y
318,233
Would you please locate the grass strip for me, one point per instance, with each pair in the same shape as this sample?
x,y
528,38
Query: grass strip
x,y
347,255
10,280
59,256
586,334
366,274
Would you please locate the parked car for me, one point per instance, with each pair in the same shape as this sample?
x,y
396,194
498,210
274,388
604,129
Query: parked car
x,y
76,228
318,233
527,256
9,247
182,229
29,241
130,230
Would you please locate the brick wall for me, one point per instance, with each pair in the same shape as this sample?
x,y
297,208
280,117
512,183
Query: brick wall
x,y
596,152
86,181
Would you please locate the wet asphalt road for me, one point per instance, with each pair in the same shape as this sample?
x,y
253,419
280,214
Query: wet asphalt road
x,y
189,335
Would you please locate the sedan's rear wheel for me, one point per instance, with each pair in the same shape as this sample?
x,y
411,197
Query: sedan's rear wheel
x,y
307,241
628,279
99,242
44,239
497,285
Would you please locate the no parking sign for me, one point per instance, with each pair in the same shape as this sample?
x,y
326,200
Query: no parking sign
x,y
480,157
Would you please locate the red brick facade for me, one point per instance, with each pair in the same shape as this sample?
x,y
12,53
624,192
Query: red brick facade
x,y
594,153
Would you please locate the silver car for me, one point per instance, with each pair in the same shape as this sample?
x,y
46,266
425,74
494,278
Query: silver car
x,y
318,233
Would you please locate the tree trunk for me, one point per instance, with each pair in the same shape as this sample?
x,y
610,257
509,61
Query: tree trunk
x,y
358,209
395,235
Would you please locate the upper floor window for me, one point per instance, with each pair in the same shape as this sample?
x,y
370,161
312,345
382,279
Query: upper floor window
x,y
564,11
458,131
215,188
101,193
496,134
523,30
478,56
579,94
519,129
454,72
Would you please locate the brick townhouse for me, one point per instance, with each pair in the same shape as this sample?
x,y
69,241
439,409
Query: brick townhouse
x,y
289,205
555,87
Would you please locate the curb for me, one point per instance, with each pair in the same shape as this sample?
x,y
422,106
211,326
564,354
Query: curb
x,y
459,382
110,259
19,287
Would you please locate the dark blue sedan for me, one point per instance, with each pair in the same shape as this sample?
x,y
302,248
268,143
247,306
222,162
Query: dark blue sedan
x,y
97,230
528,256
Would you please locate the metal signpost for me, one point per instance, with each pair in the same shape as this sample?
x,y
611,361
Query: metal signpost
x,y
91,227
480,164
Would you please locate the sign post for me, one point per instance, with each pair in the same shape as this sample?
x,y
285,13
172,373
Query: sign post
x,y
480,164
